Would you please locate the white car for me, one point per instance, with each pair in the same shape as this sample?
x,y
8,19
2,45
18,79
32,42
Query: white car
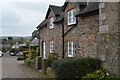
x,y
1,53
12,54
19,54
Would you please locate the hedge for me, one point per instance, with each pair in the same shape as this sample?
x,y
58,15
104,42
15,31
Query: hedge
x,y
30,63
20,58
74,67
47,62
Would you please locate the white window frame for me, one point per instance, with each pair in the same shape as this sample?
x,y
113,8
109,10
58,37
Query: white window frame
x,y
71,17
71,48
51,24
44,50
88,2
51,47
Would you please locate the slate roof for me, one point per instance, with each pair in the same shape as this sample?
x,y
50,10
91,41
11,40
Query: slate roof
x,y
34,41
60,18
80,3
56,9
42,24
92,6
62,14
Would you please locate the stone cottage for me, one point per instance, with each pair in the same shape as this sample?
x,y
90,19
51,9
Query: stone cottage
x,y
93,31
83,29
50,33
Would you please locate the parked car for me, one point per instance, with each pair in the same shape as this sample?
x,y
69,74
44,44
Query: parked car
x,y
12,54
1,54
19,54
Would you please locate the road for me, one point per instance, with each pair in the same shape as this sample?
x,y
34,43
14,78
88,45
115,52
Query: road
x,y
11,68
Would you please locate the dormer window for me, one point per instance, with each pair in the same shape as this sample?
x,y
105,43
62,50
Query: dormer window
x,y
71,17
51,24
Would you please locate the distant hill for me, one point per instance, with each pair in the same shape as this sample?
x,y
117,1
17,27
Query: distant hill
x,y
15,37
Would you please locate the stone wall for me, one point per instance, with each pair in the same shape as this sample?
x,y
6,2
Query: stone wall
x,y
119,36
84,33
108,38
44,38
55,35
95,38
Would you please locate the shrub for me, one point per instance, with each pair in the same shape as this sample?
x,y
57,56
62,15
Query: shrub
x,y
37,51
50,58
23,48
47,62
25,54
20,58
98,75
34,47
29,62
74,67
13,50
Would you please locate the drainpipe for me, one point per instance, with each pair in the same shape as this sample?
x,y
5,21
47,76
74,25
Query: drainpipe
x,y
62,40
39,41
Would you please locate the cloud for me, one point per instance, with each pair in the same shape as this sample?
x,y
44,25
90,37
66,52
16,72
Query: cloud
x,y
22,18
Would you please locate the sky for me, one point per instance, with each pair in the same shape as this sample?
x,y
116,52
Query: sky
x,y
21,17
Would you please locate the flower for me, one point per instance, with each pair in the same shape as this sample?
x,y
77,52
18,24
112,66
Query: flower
x,y
107,74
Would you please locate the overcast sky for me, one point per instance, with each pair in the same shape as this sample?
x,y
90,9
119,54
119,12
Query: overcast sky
x,y
21,17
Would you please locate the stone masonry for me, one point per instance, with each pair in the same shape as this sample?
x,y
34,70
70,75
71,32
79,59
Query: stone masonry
x,y
47,35
97,35
108,37
84,33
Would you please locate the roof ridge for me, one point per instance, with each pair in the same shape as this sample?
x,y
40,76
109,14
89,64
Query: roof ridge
x,y
54,5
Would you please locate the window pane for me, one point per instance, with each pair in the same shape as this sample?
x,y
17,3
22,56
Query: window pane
x,y
71,17
51,23
74,13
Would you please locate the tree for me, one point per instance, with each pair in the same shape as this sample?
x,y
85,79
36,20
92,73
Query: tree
x,y
35,34
4,41
21,40
10,41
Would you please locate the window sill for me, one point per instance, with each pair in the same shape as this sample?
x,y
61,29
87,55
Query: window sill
x,y
70,56
69,24
52,52
44,58
51,28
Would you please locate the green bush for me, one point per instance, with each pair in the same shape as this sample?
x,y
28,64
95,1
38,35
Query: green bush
x,y
20,58
50,58
74,67
47,62
34,47
98,75
13,50
32,54
29,62
25,54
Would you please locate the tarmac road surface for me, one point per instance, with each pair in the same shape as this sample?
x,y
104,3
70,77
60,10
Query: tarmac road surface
x,y
11,68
